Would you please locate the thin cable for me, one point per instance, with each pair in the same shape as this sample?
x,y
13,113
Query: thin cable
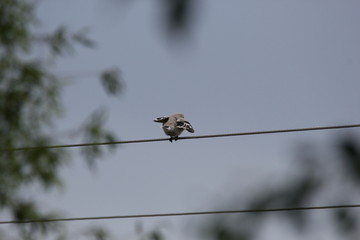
x,y
182,214
181,138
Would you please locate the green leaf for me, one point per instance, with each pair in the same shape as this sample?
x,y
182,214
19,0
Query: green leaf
x,y
82,38
112,81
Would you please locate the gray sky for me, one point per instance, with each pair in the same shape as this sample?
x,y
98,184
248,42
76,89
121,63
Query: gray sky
x,y
247,65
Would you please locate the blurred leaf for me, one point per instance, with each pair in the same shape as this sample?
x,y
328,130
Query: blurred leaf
x,y
26,210
228,228
155,235
177,15
112,81
346,220
98,233
95,132
59,41
15,19
351,153
82,38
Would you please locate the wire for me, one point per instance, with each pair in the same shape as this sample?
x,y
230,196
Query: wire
x,y
181,138
181,214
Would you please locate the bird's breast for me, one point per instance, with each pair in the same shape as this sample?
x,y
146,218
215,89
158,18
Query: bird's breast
x,y
172,131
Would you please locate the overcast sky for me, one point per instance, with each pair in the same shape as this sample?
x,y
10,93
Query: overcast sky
x,y
245,66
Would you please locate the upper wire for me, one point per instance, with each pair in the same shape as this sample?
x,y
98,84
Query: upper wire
x,y
181,138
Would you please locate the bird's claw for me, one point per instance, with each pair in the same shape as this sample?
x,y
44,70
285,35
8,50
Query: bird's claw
x,y
173,138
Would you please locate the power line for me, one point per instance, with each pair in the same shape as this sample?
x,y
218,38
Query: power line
x,y
182,214
181,138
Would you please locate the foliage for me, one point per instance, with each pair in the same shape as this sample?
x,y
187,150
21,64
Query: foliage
x,y
177,15
325,178
110,80
30,103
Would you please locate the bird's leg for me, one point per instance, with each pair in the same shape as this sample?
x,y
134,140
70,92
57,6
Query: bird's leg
x,y
173,138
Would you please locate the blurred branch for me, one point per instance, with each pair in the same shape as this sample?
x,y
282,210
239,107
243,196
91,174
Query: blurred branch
x,y
61,40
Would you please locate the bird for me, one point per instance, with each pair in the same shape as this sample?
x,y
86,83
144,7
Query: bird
x,y
173,125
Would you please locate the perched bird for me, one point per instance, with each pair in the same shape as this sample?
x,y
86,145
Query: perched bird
x,y
174,125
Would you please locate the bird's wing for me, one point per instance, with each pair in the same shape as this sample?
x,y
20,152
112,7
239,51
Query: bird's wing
x,y
185,125
161,119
